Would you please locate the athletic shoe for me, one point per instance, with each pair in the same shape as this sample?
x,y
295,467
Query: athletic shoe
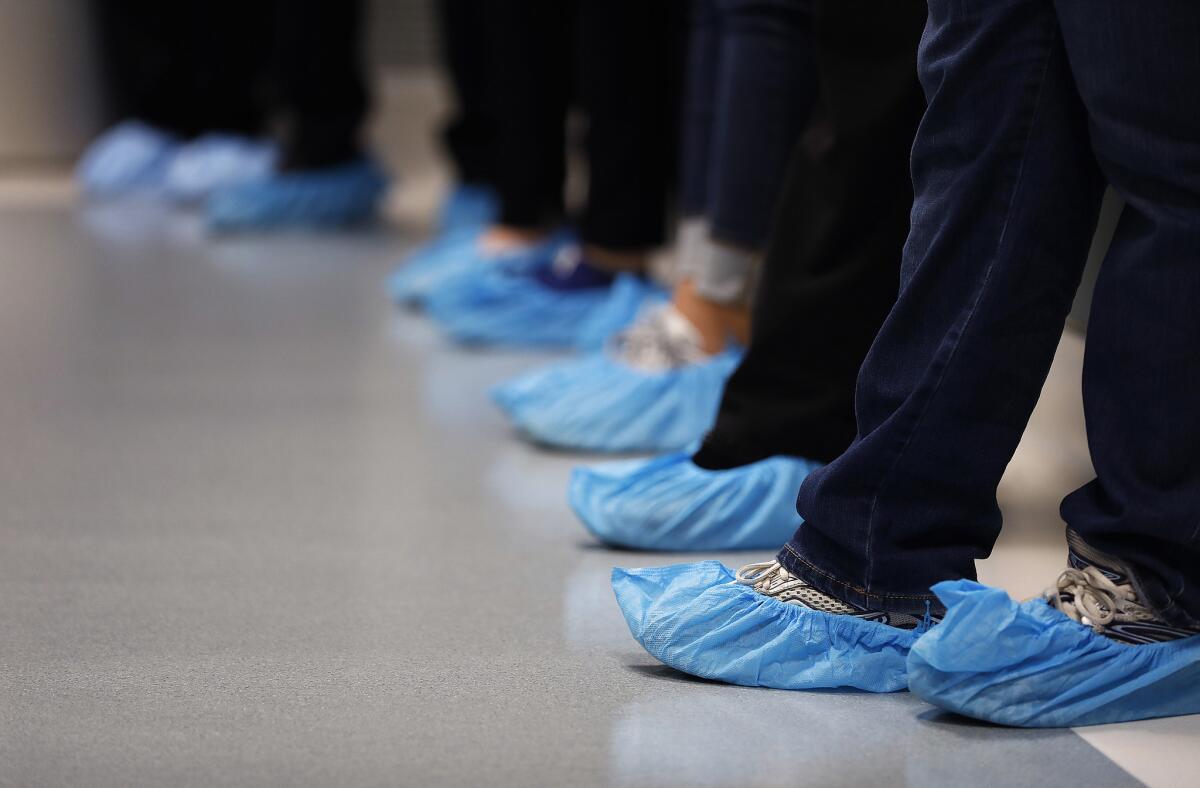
x,y
770,579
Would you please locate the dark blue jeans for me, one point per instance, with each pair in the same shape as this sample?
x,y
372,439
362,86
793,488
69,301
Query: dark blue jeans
x,y
1033,105
751,84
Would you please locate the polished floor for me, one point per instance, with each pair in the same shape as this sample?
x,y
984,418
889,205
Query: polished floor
x,y
258,528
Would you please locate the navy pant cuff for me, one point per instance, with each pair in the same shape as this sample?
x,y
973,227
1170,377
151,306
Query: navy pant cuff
x,y
801,566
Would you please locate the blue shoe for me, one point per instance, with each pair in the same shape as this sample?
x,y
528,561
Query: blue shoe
x,y
327,198
1089,653
669,503
130,156
516,304
467,207
761,628
216,161
654,391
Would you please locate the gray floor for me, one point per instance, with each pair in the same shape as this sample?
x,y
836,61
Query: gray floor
x,y
257,528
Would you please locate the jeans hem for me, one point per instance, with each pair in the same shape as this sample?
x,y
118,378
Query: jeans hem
x,y
820,579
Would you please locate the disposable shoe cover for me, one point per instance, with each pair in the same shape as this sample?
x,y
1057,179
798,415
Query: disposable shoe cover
x,y
467,206
1029,665
430,266
507,305
698,619
130,155
323,198
670,503
599,403
215,161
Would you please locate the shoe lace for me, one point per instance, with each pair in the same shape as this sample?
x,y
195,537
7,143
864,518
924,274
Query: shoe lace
x,y
769,571
660,340
1087,596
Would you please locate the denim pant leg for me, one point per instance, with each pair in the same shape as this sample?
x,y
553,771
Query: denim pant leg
x,y
1138,71
1007,198
766,90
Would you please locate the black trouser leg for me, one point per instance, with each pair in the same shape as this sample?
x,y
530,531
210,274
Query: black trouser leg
x,y
529,59
470,134
629,60
317,76
832,267
187,67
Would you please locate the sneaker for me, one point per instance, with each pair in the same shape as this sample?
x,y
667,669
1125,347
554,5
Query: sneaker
x,y
660,340
769,578
1097,591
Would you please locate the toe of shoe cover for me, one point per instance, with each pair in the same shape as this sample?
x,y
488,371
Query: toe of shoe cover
x,y
670,503
330,197
696,618
507,306
1027,664
130,155
597,403
427,268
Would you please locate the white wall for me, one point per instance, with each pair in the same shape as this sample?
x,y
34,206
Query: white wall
x,y
49,101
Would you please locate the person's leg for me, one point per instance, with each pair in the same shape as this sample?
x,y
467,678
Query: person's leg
x,y
1007,197
766,89
230,45
832,266
318,81
829,282
321,178
146,61
698,109
1138,70
470,134
766,85
628,63
530,66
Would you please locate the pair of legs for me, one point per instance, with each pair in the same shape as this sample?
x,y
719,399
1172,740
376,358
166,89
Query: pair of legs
x,y
518,68
195,67
749,89
830,275
832,266
1033,104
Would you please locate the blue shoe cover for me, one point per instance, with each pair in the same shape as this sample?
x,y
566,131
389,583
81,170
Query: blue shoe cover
x,y
314,199
465,213
127,157
424,270
627,297
598,403
215,161
468,206
506,305
670,503
1029,665
698,619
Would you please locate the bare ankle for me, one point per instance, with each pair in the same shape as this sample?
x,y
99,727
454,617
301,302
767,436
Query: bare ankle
x,y
501,237
716,323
